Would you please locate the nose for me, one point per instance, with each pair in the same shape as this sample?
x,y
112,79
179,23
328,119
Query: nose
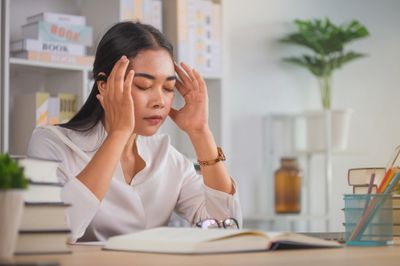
x,y
157,98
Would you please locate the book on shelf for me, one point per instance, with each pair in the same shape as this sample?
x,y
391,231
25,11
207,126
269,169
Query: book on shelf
x,y
39,170
68,106
200,241
54,110
67,33
42,242
42,216
47,46
49,57
42,192
24,120
362,176
57,18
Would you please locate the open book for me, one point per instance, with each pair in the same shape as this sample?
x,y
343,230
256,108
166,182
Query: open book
x,y
198,241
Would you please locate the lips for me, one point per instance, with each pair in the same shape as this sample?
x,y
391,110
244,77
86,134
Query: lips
x,y
154,120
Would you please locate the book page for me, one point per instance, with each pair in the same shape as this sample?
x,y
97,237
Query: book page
x,y
190,241
301,240
189,235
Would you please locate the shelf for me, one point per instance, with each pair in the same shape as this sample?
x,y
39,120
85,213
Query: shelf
x,y
322,152
284,217
24,64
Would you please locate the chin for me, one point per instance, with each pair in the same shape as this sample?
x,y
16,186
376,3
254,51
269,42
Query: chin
x,y
147,132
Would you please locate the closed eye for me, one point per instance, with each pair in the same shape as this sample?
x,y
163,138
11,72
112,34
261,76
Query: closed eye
x,y
169,89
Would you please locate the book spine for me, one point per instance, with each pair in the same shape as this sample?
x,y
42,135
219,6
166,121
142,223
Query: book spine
x,y
45,46
58,18
47,31
42,107
54,110
68,106
56,58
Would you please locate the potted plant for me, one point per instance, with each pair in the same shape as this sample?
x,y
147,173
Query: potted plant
x,y
12,183
326,42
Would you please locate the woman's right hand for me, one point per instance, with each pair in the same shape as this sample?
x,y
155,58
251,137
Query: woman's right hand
x,y
116,99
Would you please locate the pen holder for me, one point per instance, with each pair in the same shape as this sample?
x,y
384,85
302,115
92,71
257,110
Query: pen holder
x,y
368,219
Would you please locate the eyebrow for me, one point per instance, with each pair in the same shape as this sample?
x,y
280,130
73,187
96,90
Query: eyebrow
x,y
148,76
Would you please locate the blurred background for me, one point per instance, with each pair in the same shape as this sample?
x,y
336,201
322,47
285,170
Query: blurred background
x,y
258,102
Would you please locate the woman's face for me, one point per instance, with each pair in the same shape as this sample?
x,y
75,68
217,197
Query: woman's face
x,y
152,89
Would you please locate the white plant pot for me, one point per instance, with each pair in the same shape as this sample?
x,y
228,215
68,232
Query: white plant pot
x,y
316,129
11,207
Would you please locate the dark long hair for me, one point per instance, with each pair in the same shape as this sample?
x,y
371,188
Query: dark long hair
x,y
125,38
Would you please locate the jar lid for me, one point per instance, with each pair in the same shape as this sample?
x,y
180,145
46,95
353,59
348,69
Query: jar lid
x,y
289,162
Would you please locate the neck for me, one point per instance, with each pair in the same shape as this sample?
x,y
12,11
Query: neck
x,y
130,146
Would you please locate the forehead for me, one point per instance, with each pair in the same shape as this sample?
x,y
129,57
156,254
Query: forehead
x,y
153,62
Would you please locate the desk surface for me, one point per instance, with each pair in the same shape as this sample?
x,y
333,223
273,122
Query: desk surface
x,y
93,255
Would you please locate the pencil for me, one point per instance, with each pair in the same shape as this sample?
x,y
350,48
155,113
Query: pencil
x,y
372,209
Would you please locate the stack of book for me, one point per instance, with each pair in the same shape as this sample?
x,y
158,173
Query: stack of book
x,y
359,179
43,228
55,38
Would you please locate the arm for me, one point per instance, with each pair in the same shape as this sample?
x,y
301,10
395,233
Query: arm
x,y
193,119
215,176
116,100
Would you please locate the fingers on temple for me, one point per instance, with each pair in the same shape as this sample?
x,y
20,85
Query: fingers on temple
x,y
112,79
182,74
200,80
181,88
128,83
190,72
120,76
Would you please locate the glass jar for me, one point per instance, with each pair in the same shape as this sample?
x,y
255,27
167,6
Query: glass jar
x,y
288,187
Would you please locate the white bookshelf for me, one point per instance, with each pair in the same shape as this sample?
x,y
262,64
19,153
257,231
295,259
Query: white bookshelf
x,y
19,76
284,135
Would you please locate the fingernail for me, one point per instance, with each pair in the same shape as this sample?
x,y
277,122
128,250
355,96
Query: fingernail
x,y
123,58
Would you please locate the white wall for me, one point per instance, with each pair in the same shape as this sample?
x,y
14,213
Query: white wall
x,y
256,82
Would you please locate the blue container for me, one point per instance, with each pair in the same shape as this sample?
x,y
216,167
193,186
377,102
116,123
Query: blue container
x,y
375,213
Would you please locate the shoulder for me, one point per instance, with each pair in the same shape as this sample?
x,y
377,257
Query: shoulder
x,y
45,144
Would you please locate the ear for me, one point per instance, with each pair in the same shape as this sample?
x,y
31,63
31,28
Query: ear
x,y
102,83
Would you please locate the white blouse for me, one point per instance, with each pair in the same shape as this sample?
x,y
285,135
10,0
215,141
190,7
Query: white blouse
x,y
168,183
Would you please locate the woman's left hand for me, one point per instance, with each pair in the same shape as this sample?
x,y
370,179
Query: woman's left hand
x,y
193,116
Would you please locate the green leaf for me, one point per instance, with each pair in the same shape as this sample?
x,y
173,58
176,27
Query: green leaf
x,y
323,37
11,174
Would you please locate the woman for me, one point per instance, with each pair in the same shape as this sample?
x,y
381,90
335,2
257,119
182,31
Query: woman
x,y
120,177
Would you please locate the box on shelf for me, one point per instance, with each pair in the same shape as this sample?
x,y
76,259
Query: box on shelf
x,y
47,46
47,31
57,18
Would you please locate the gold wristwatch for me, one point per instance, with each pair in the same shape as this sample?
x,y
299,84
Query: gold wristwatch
x,y
221,157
